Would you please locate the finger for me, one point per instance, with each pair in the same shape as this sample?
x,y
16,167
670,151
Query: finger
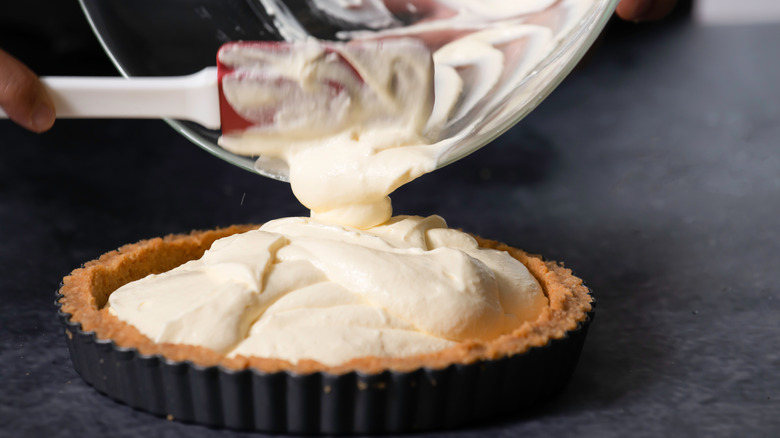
x,y
23,97
645,10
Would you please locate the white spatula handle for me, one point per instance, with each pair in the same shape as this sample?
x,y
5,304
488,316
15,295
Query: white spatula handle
x,y
194,97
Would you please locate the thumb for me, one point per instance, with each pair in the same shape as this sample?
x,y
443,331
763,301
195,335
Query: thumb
x,y
645,10
23,97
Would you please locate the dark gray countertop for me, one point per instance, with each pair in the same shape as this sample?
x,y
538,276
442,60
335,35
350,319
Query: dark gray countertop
x,y
653,172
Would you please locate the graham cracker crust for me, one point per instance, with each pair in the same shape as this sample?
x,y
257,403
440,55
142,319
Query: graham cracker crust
x,y
85,292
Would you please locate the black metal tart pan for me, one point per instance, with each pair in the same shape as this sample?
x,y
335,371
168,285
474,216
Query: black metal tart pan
x,y
323,403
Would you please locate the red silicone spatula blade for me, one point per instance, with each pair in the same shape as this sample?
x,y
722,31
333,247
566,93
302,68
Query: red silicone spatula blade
x,y
231,121
260,68
318,88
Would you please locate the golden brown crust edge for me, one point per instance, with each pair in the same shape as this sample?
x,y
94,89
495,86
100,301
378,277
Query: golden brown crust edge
x,y
85,292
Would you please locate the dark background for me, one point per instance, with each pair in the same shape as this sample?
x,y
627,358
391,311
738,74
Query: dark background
x,y
653,172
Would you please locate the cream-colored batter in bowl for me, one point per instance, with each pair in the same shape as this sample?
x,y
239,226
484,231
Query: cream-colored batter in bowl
x,y
506,56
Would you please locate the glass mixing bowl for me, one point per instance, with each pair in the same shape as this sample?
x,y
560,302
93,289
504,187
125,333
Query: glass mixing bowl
x,y
178,37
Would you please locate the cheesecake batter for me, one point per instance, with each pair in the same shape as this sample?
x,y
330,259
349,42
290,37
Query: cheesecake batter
x,y
301,289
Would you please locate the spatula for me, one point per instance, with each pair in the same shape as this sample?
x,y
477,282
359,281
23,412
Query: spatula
x,y
199,97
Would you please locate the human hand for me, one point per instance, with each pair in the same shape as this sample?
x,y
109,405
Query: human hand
x,y
645,10
23,97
